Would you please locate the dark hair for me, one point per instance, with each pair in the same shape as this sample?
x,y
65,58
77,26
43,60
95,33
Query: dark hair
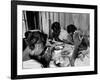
x,y
35,37
56,30
71,28
56,26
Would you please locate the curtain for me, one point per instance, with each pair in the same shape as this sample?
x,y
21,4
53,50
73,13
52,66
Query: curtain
x,y
80,20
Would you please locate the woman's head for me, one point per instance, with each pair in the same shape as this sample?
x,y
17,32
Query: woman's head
x,y
55,30
56,27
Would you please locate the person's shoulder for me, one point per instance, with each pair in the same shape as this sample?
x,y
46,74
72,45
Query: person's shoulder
x,y
64,32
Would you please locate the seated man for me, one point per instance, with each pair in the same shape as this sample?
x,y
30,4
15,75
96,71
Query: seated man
x,y
36,48
81,43
71,29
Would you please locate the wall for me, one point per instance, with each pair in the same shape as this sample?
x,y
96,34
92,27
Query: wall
x,y
81,21
46,19
5,40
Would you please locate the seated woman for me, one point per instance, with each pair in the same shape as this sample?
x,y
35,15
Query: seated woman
x,y
55,27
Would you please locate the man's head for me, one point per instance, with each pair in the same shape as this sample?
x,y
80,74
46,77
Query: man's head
x,y
35,37
71,28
